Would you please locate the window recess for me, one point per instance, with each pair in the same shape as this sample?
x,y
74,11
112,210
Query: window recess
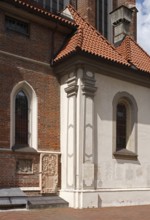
x,y
16,25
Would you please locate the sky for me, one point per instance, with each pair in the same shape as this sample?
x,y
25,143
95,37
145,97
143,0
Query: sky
x,y
143,24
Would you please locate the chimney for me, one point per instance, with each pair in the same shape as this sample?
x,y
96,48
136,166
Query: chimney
x,y
123,20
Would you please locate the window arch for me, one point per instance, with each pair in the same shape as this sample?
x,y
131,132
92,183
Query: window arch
x,y
124,124
23,130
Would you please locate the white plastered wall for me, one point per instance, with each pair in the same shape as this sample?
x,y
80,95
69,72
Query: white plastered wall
x,y
117,182
121,180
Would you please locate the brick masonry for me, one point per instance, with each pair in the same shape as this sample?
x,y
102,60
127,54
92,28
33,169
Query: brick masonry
x,y
28,58
40,77
87,9
14,178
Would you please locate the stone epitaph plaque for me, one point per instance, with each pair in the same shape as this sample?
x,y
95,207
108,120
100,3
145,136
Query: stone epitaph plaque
x,y
49,173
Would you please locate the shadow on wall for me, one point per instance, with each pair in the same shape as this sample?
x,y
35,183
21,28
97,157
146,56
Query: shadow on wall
x,y
99,202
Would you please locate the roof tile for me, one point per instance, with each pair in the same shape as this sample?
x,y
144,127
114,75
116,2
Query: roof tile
x,y
90,41
134,54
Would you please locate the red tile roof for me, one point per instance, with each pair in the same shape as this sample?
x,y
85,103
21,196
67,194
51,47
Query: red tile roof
x,y
37,9
134,54
87,39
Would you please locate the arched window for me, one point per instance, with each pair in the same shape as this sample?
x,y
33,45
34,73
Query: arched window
x,y
23,132
124,125
21,119
121,126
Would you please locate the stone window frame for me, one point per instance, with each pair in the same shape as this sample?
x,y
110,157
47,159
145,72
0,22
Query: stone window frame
x,y
32,114
130,152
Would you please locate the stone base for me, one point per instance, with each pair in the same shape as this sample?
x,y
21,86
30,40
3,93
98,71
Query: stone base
x,y
106,198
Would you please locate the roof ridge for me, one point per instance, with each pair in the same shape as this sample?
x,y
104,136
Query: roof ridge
x,y
126,53
80,38
138,46
88,40
134,54
69,6
128,49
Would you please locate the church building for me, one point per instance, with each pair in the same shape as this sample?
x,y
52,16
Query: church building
x,y
74,102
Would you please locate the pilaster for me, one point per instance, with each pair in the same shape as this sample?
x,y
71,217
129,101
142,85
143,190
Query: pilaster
x,y
78,151
71,90
88,92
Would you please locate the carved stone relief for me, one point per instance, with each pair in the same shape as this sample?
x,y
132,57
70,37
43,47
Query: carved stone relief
x,y
49,173
24,166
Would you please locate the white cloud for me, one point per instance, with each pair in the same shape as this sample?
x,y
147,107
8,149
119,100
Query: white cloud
x,y
143,24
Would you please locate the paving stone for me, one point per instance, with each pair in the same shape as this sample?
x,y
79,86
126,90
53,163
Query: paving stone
x,y
117,213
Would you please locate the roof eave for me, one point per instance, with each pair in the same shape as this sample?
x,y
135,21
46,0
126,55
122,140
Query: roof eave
x,y
62,23
79,51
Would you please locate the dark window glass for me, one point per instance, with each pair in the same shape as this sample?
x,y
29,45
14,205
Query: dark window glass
x,y
54,5
121,125
105,18
21,119
61,5
17,25
102,16
47,5
51,5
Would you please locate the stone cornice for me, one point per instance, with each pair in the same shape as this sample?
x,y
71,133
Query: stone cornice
x,y
88,87
110,69
72,88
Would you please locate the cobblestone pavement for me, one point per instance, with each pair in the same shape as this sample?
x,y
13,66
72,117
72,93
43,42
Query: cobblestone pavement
x,y
121,213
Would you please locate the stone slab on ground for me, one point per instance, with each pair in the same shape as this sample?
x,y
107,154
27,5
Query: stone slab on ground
x,y
46,202
4,201
12,192
12,198
18,201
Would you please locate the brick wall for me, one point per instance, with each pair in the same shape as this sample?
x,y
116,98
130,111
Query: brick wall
x,y
40,77
28,58
39,45
8,165
46,88
87,9
73,3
